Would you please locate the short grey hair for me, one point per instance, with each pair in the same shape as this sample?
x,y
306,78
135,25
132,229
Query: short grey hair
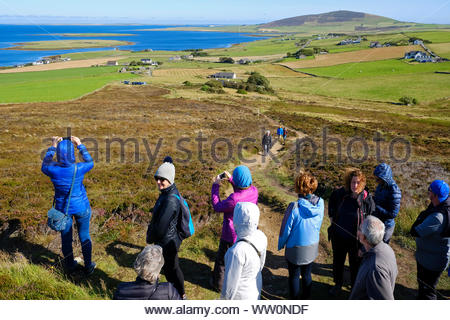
x,y
373,229
149,262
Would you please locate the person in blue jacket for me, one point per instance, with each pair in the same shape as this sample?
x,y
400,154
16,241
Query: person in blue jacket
x,y
387,199
299,233
61,173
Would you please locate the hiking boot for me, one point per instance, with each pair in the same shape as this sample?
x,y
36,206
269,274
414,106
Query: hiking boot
x,y
74,268
335,291
90,269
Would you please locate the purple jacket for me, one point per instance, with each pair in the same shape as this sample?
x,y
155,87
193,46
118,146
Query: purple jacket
x,y
227,207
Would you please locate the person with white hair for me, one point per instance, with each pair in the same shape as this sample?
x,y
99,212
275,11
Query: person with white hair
x,y
244,261
148,264
378,269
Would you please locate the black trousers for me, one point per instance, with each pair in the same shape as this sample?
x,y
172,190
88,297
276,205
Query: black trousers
x,y
171,267
218,272
428,280
342,247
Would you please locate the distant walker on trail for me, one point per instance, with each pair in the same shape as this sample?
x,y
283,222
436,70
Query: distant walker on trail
x,y
266,142
280,133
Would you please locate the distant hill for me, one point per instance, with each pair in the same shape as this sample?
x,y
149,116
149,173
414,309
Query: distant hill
x,y
343,21
330,17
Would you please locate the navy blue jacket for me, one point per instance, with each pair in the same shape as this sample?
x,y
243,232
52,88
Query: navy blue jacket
x,y
143,290
61,173
387,196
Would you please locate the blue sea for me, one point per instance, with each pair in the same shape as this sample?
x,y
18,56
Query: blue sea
x,y
155,40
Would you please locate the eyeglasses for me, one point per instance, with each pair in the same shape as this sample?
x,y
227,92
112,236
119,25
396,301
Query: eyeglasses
x,y
160,179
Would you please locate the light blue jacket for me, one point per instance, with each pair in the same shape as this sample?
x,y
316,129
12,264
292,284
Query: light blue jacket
x,y
300,230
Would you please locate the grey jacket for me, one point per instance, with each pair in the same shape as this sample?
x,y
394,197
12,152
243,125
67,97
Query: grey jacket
x,y
432,250
376,275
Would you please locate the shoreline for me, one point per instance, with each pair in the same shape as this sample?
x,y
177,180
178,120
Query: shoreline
x,y
20,47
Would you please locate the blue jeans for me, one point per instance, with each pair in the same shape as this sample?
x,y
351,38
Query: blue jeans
x,y
388,232
294,280
82,220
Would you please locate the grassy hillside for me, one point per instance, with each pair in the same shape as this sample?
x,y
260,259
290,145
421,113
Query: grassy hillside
x,y
57,85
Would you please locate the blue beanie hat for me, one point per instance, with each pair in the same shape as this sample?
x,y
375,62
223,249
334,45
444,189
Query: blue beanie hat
x,y
242,178
440,188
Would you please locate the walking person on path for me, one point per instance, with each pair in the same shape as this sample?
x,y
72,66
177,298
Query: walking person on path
x,y
266,142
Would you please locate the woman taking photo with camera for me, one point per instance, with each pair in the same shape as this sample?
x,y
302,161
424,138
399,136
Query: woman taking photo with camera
x,y
70,196
244,191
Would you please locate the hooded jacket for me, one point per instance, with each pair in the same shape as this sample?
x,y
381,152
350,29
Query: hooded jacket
x,y
227,206
243,264
387,196
61,173
300,230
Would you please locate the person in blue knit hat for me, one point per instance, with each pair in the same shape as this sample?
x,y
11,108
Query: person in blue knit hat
x,y
432,232
244,191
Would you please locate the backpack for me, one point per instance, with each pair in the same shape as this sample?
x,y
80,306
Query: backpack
x,y
185,225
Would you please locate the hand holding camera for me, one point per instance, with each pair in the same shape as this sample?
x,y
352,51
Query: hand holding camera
x,y
223,176
55,141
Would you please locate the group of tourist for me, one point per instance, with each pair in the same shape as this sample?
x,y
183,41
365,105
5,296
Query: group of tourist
x,y
361,227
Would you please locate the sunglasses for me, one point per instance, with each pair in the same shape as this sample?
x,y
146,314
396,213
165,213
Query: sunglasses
x,y
160,179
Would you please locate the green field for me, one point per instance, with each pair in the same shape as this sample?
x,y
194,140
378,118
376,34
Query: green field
x,y
385,80
423,86
433,36
392,67
56,85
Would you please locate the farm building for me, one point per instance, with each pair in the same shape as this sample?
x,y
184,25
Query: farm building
x,y
419,56
175,58
244,61
417,42
375,44
414,54
349,41
112,63
146,61
187,57
223,75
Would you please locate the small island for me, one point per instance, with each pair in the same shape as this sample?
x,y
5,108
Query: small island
x,y
93,34
68,44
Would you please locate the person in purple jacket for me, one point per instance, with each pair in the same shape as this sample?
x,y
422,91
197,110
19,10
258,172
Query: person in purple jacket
x,y
244,191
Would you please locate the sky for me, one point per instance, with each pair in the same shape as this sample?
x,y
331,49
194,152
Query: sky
x,y
211,11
